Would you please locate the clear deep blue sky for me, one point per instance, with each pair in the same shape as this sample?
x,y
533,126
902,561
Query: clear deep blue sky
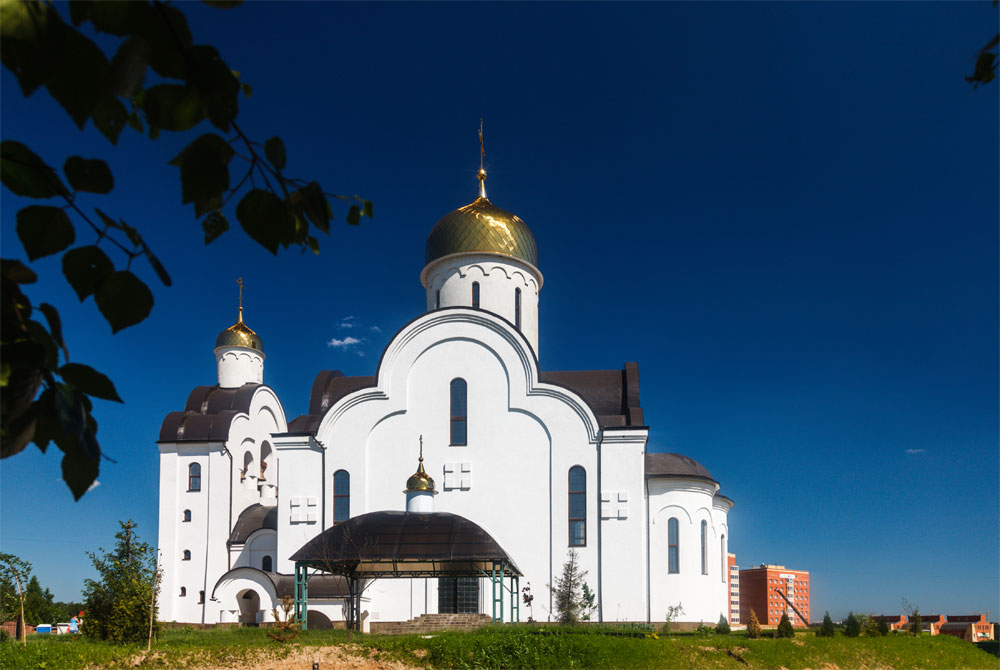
x,y
786,213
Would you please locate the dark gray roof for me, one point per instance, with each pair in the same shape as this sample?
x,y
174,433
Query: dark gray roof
x,y
726,498
613,395
253,518
676,466
208,414
320,586
405,544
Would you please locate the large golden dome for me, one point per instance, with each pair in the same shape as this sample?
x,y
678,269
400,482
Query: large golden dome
x,y
481,226
239,335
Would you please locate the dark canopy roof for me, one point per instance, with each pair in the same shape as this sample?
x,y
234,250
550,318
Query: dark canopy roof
x,y
207,415
676,466
405,544
613,395
320,586
253,518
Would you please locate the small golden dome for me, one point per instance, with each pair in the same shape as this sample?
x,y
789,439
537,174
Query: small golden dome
x,y
420,480
239,335
481,226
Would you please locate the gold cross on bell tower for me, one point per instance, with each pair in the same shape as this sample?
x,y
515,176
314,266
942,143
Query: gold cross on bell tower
x,y
239,282
482,155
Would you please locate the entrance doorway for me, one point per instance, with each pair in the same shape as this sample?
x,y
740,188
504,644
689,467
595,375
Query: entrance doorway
x,y
458,595
249,606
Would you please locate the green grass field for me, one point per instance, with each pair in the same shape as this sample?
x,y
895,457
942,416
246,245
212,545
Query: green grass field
x,y
519,647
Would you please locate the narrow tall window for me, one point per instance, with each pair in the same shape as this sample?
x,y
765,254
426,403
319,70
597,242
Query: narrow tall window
x,y
187,555
267,564
201,597
194,477
673,546
184,591
577,507
475,295
459,409
437,299
341,496
722,568
517,308
704,547
187,515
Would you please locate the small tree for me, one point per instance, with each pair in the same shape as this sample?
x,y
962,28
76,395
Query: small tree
x,y
785,628
574,600
121,606
753,626
286,628
915,623
527,598
16,572
673,611
883,628
852,627
826,630
722,628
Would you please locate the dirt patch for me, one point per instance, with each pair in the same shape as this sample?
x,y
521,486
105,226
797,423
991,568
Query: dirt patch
x,y
302,658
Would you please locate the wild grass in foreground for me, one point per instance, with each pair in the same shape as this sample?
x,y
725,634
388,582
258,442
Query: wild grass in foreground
x,y
513,647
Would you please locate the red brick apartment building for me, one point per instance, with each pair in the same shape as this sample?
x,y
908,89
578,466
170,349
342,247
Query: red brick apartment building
x,y
759,589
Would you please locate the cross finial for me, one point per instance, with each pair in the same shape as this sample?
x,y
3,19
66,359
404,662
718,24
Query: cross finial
x,y
239,281
482,155
421,448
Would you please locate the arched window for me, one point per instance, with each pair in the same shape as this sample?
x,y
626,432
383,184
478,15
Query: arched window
x,y
265,458
341,496
187,515
267,564
673,546
247,464
184,592
187,555
577,507
722,546
704,547
201,597
517,308
459,409
475,295
194,477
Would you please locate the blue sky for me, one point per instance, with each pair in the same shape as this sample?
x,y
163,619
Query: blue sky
x,y
786,213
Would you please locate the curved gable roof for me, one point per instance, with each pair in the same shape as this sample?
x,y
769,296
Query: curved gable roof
x,y
253,518
208,413
675,466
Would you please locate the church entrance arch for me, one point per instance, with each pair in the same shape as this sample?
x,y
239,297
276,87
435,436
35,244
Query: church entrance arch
x,y
249,602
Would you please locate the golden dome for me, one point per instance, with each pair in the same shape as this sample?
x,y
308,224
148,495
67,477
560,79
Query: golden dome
x,y
239,335
420,480
481,226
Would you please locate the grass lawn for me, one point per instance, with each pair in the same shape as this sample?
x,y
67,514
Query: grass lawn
x,y
517,647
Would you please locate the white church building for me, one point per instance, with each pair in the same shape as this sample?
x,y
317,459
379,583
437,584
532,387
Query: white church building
x,y
242,488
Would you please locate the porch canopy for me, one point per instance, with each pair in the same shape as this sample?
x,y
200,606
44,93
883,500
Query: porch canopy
x,y
393,544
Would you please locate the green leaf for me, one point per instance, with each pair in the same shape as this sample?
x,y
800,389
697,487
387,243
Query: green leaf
x,y
354,215
88,380
265,218
91,175
24,32
40,336
158,268
214,225
77,71
44,230
24,173
128,67
274,148
313,244
135,121
314,205
217,87
204,165
123,299
173,107
55,325
223,4
369,209
167,33
206,205
17,272
85,268
109,117
80,470
247,89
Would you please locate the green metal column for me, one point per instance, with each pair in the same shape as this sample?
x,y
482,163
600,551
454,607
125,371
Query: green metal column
x,y
515,599
301,593
501,591
493,589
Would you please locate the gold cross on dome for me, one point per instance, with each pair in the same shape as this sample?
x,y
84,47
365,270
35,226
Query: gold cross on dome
x,y
421,448
482,154
239,282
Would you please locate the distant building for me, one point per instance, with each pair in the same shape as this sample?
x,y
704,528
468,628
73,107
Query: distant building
x,y
894,621
734,589
759,591
969,627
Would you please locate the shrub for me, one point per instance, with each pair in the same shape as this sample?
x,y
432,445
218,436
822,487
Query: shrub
x,y
883,628
702,629
852,627
722,628
753,626
673,611
785,627
826,630
286,628
915,622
